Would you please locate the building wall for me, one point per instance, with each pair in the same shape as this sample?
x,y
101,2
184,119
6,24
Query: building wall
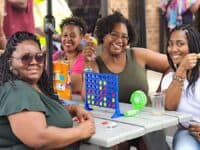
x,y
120,5
152,24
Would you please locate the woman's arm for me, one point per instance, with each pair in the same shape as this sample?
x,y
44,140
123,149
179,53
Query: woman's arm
x,y
2,36
152,60
80,112
31,128
77,82
173,93
195,6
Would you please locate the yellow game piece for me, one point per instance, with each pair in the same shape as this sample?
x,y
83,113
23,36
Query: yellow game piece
x,y
94,41
113,100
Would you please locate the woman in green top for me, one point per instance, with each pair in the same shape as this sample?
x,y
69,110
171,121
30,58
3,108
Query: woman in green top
x,y
115,33
30,116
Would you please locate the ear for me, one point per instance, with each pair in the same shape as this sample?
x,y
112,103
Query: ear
x,y
9,62
12,69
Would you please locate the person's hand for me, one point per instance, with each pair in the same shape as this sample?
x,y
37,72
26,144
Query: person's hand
x,y
189,61
89,48
83,115
87,129
195,130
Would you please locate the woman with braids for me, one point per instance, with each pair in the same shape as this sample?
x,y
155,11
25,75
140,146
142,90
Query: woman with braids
x,y
115,33
182,85
30,116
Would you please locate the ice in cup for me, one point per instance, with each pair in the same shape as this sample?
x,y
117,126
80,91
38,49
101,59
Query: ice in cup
x,y
158,103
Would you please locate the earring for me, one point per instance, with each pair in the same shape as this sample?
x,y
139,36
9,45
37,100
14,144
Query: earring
x,y
11,69
14,71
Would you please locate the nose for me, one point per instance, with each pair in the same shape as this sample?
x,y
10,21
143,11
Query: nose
x,y
119,39
172,48
33,61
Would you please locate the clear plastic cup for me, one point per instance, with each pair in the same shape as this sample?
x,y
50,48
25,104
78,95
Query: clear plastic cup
x,y
158,103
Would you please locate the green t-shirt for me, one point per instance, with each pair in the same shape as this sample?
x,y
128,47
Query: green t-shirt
x,y
21,96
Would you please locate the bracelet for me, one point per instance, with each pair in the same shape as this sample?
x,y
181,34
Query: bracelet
x,y
179,79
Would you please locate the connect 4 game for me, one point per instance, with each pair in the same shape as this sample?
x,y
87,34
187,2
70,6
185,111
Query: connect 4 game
x,y
101,90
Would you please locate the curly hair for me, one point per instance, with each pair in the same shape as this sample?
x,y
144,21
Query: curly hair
x,y
6,75
75,21
193,37
105,26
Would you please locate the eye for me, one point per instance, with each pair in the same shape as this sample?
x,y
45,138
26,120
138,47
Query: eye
x,y
180,43
113,34
125,37
170,44
72,35
65,35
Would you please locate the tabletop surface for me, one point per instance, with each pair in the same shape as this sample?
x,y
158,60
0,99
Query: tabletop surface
x,y
131,127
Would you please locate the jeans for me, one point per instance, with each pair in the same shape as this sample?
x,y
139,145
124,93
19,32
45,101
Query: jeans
x,y
183,140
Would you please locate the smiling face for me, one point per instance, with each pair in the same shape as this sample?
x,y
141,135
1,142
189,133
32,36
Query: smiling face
x,y
29,71
178,46
116,41
70,37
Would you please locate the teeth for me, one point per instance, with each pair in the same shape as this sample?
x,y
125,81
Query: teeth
x,y
67,44
175,56
117,46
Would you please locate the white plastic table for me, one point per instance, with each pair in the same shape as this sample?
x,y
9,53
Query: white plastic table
x,y
131,127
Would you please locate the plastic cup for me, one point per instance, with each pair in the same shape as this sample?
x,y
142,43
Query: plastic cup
x,y
158,103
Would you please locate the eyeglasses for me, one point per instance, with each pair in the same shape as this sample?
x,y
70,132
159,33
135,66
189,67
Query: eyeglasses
x,y
27,58
115,36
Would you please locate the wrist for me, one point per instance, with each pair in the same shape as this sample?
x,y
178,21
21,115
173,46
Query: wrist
x,y
72,109
178,78
181,72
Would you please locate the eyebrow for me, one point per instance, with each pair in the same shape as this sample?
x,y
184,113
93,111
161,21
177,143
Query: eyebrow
x,y
119,32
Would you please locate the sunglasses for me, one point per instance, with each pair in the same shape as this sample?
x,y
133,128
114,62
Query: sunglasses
x,y
28,58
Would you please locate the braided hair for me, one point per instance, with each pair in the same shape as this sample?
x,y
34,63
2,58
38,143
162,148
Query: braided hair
x,y
193,37
7,76
105,26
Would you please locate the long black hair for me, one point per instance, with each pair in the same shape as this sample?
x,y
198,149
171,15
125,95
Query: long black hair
x,y
193,37
5,73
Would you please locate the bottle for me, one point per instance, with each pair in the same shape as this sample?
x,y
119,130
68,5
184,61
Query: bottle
x,y
62,80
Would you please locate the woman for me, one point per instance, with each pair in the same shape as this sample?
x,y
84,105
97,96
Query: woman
x,y
115,33
30,116
73,30
182,85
